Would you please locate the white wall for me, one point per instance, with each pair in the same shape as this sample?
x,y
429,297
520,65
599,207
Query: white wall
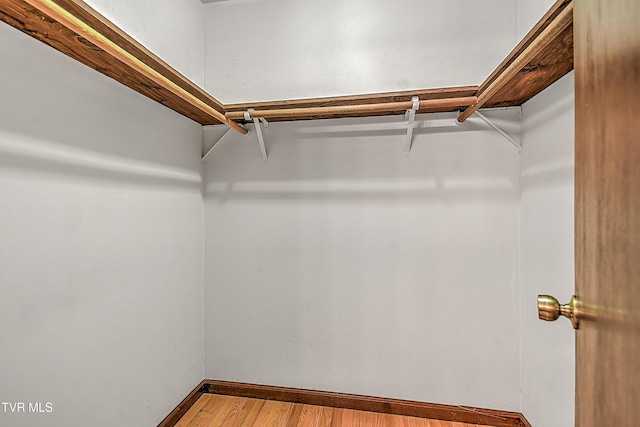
x,y
171,29
101,245
285,49
548,358
339,265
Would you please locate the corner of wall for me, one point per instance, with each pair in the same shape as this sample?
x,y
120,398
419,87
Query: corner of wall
x,y
203,51
546,251
518,22
520,261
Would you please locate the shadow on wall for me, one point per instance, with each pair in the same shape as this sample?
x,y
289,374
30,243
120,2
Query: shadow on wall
x,y
363,158
18,152
75,121
549,165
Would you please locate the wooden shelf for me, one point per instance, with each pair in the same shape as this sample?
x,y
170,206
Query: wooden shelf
x,y
549,63
452,99
544,69
78,31
30,20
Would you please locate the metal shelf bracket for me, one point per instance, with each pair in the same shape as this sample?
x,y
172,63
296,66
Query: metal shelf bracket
x,y
496,128
217,144
409,119
256,122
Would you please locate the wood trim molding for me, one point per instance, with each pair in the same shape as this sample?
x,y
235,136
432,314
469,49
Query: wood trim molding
x,y
95,20
182,408
361,110
535,32
75,29
452,99
464,414
542,43
524,422
542,70
372,98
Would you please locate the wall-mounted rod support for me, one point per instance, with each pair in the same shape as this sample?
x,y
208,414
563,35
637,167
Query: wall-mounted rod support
x,y
429,105
248,115
497,129
564,19
263,148
79,27
409,118
217,144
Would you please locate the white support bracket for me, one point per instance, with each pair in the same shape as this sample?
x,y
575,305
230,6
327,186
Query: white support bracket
x,y
217,144
256,122
497,129
500,131
409,119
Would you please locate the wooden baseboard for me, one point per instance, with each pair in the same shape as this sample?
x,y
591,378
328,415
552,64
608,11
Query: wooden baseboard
x,y
182,408
464,414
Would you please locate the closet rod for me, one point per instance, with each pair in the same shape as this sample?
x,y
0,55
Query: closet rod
x,y
562,21
76,25
388,107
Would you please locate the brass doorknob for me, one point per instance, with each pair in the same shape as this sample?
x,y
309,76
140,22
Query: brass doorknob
x,y
550,309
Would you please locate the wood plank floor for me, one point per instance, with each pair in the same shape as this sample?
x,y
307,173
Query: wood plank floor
x,y
214,410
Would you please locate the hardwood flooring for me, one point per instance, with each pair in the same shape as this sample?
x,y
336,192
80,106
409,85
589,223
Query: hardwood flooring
x,y
215,410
